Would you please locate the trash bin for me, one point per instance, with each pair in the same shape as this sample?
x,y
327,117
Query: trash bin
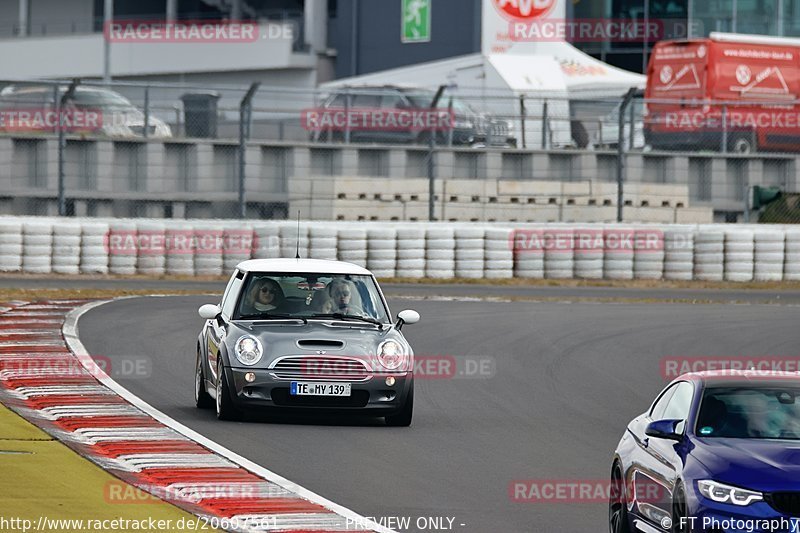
x,y
200,114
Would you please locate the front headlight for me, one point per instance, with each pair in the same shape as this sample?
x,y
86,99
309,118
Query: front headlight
x,y
721,493
392,355
248,350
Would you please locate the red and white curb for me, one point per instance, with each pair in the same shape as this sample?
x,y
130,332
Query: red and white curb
x,y
48,377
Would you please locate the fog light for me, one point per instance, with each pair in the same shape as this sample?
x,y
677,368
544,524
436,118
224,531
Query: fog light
x,y
249,377
390,381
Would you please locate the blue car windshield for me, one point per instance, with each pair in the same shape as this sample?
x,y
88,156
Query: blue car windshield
x,y
291,295
768,411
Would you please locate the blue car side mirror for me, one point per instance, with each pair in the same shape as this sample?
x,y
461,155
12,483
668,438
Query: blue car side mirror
x,y
664,429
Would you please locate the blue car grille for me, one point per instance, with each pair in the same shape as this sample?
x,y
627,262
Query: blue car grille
x,y
785,502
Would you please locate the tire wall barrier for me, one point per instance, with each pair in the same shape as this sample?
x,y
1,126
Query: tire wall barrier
x,y
737,253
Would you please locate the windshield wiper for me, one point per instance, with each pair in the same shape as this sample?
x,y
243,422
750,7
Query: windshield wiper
x,y
342,316
273,316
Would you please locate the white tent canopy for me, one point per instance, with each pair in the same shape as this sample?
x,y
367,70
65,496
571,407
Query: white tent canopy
x,y
563,72
494,83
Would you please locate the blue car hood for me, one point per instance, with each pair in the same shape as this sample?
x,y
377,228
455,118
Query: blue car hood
x,y
758,464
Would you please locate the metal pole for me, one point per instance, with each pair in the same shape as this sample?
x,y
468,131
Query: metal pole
x,y
61,104
632,126
747,197
724,147
245,109
431,155
522,118
646,31
146,110
24,11
431,178
172,10
108,18
626,101
545,121
354,38
236,10
347,106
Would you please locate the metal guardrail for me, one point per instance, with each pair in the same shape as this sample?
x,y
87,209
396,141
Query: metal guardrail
x,y
233,118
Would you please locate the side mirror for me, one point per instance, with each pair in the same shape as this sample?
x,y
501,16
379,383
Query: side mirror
x,y
664,429
407,317
209,311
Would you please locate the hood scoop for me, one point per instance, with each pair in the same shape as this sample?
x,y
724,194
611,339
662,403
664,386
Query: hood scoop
x,y
317,344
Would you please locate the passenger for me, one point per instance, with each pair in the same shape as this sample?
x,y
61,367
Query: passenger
x,y
345,297
266,295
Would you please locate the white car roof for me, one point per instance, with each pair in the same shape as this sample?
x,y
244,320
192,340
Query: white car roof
x,y
301,266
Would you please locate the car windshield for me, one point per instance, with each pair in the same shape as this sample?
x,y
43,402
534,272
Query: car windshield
x,y
309,296
638,111
770,411
101,99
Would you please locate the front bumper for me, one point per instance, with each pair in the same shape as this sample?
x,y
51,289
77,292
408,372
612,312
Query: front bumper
x,y
372,397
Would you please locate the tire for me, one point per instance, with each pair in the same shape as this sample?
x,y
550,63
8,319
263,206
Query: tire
x,y
404,416
617,505
202,398
679,511
579,134
224,404
742,144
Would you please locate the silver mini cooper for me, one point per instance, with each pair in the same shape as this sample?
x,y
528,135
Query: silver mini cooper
x,y
304,335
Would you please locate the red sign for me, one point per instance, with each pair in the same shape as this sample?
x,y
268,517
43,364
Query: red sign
x,y
524,10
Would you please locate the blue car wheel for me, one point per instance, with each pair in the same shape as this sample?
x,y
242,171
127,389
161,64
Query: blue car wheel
x,y
617,506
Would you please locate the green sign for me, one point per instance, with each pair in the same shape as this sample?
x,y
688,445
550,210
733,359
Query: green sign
x,y
416,21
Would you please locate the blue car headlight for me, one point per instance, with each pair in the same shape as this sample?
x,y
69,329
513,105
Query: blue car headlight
x,y
721,493
248,350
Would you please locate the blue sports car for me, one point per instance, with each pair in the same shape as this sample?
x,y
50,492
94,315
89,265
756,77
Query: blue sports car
x,y
716,452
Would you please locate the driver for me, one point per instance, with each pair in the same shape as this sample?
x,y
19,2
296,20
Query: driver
x,y
265,295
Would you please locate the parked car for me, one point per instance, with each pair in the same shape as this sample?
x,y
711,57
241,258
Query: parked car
x,y
470,128
118,117
713,447
607,134
303,335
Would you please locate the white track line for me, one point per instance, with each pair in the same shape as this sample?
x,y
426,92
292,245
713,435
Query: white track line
x,y
70,330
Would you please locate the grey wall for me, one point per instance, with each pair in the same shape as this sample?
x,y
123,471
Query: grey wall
x,y
455,31
9,17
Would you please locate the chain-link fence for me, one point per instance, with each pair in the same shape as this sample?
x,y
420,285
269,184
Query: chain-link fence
x,y
390,153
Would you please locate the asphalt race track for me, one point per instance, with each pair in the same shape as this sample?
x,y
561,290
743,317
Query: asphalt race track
x,y
567,378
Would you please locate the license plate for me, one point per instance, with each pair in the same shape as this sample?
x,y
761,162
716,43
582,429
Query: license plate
x,y
319,389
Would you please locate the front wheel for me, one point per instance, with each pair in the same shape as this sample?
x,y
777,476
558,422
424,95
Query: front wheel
x,y
225,408
403,417
617,506
680,522
202,399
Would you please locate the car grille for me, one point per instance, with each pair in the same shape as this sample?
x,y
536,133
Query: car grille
x,y
785,502
315,368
